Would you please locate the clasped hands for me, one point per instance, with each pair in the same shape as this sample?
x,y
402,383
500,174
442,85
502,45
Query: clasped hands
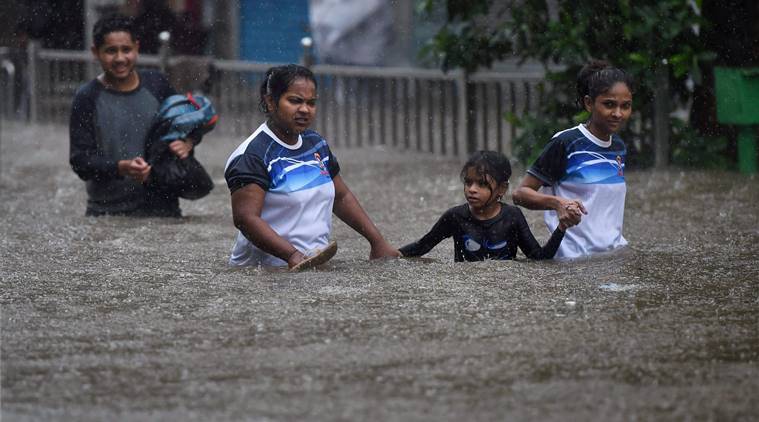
x,y
570,212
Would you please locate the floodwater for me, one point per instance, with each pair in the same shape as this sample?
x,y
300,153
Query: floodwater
x,y
140,319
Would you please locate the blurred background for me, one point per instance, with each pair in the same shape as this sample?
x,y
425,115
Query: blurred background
x,y
439,76
369,32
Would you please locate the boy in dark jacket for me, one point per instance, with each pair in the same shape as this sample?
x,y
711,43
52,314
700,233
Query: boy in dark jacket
x,y
110,119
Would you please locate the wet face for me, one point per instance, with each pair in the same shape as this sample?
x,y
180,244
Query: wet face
x,y
295,110
117,56
482,191
609,110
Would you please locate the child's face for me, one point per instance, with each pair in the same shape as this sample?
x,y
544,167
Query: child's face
x,y
611,109
117,55
481,191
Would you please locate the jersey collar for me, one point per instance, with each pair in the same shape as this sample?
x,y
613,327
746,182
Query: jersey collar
x,y
279,141
592,137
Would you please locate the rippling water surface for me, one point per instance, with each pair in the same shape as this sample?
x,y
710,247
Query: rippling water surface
x,y
134,319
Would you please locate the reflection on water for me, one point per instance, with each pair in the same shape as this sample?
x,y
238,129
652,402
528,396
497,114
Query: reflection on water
x,y
614,287
115,318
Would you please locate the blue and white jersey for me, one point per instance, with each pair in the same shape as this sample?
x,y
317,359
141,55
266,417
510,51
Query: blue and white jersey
x,y
299,190
577,165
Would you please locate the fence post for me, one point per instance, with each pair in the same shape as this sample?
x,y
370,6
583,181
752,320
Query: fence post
x,y
32,54
661,117
462,111
8,85
307,58
164,51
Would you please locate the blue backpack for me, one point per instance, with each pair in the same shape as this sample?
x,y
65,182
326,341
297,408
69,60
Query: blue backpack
x,y
180,115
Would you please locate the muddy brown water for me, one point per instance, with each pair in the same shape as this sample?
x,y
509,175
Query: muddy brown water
x,y
140,319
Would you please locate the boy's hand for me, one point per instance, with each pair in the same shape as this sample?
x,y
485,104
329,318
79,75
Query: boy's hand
x,y
181,148
136,168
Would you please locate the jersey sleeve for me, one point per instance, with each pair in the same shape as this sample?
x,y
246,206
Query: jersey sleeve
x,y
246,169
530,246
441,230
87,161
551,164
333,166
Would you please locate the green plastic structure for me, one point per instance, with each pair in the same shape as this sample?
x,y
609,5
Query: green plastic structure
x,y
737,91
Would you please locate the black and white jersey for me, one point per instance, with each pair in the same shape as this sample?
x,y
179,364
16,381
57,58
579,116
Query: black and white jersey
x,y
299,190
577,165
477,240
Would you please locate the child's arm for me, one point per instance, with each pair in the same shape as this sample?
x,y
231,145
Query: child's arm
x,y
441,230
531,247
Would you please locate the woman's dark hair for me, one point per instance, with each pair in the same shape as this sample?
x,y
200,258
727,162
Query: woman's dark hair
x,y
278,79
488,163
597,77
112,23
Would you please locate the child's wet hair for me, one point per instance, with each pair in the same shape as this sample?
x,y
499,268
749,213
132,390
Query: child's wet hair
x,y
597,77
112,23
278,79
488,163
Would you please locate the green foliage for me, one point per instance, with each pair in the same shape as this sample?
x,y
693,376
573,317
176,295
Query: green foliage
x,y
534,133
637,35
691,149
464,41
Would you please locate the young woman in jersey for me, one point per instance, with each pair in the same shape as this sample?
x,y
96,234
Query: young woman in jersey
x,y
579,176
484,227
285,181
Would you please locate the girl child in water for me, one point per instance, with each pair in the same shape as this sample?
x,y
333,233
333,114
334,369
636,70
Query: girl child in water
x,y
580,173
484,227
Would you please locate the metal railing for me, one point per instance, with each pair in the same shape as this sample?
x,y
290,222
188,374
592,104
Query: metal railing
x,y
408,108
8,83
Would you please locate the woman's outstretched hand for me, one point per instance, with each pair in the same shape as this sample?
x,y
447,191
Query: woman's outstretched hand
x,y
383,249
